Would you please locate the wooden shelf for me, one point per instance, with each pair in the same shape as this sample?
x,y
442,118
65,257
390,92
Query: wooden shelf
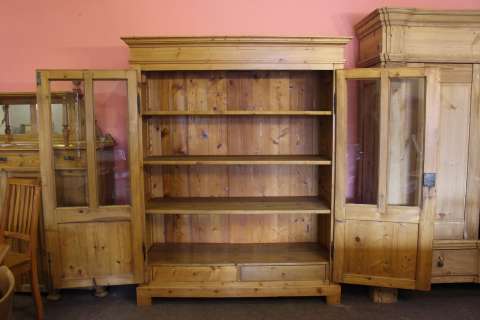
x,y
238,160
228,254
240,113
238,205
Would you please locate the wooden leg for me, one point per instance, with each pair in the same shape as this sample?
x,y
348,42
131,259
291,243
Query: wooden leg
x,y
383,295
334,298
36,291
101,291
143,299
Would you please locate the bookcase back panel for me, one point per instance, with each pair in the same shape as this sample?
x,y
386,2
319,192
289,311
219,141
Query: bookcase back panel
x,y
268,228
233,181
239,135
239,90
224,91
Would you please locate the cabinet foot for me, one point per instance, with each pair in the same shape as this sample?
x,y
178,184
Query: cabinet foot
x,y
54,295
100,291
334,297
383,295
143,299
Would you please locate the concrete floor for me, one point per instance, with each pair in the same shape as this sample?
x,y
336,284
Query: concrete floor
x,y
443,302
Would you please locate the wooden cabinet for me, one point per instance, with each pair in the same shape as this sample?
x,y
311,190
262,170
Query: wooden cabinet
x,y
237,150
91,217
447,40
19,154
242,167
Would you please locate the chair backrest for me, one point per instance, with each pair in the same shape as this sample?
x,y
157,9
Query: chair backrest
x,y
7,284
21,210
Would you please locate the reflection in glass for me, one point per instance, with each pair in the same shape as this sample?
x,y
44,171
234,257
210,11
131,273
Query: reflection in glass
x,y
406,130
111,120
15,118
68,123
57,118
363,140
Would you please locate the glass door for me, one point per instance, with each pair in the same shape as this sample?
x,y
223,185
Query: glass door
x,y
387,123
89,157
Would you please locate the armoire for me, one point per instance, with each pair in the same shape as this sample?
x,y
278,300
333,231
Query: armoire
x,y
450,41
259,166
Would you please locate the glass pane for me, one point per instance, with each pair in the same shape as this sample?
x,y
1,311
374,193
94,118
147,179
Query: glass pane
x,y
363,140
57,118
406,130
70,161
111,120
17,117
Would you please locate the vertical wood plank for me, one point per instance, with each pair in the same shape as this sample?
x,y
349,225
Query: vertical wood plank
x,y
48,177
91,141
341,153
473,179
425,232
383,147
135,147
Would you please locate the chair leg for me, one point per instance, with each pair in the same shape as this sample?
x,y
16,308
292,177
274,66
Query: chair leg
x,y
36,292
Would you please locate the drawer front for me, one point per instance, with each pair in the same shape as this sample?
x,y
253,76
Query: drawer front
x,y
19,159
455,262
283,273
181,273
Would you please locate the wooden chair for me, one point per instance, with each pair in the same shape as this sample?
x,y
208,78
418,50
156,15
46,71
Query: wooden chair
x,y
19,223
7,285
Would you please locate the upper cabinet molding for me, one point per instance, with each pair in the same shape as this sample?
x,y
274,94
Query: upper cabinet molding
x,y
417,35
239,53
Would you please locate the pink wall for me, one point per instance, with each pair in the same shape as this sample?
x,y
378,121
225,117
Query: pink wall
x,y
86,34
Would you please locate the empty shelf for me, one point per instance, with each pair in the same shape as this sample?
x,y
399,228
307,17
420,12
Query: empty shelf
x,y
238,160
226,253
240,113
238,205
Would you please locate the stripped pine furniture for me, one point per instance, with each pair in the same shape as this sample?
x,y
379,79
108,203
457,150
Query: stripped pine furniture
x,y
19,226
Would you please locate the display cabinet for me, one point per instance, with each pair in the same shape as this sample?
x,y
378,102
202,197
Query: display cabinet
x,y
90,213
19,152
18,136
449,41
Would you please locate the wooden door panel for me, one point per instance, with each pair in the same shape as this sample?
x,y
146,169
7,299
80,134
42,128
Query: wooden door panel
x,y
456,83
383,249
94,234
92,251
385,238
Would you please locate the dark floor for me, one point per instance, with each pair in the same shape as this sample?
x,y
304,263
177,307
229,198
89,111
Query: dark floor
x,y
443,302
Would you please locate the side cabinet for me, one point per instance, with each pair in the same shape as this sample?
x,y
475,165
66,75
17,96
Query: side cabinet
x,y
92,223
386,163
448,40
19,156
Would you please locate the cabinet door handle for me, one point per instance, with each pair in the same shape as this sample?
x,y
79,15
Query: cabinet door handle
x,y
440,262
